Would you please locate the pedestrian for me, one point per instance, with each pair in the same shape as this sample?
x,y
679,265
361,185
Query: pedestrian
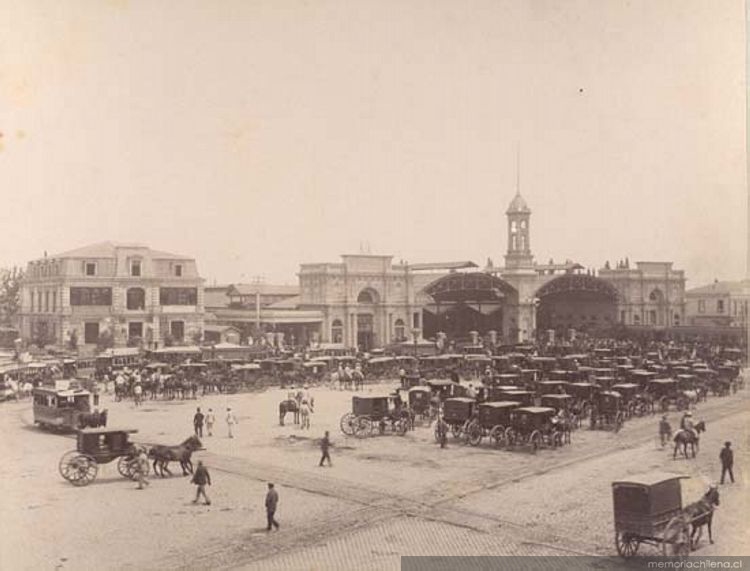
x,y
231,421
95,392
137,392
305,414
272,501
665,430
141,466
198,422
727,461
442,429
210,419
325,446
201,478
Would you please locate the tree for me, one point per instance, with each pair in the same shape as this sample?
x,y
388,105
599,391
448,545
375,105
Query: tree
x,y
105,340
10,294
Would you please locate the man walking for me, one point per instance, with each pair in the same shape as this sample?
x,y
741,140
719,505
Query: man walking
x,y
665,430
325,446
210,419
200,479
727,460
198,423
231,421
272,500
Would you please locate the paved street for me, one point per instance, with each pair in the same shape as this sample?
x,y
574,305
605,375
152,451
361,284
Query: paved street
x,y
383,498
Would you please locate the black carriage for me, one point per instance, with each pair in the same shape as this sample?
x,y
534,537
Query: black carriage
x,y
567,416
607,411
372,415
666,393
526,398
380,368
552,387
692,388
495,393
583,397
533,427
492,420
604,382
443,388
421,403
633,401
507,379
458,412
99,446
645,507
641,377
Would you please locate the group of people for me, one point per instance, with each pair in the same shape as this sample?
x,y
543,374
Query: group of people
x,y
209,419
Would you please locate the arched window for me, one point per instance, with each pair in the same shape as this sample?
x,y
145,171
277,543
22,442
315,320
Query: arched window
x,y
337,331
136,298
399,330
366,296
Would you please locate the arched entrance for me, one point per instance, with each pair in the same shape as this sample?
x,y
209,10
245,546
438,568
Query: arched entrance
x,y
366,302
464,302
573,301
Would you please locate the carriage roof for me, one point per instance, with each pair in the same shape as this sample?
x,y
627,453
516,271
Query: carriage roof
x,y
649,479
583,385
536,410
108,431
662,382
440,382
380,360
61,392
460,399
517,393
613,394
552,382
500,404
626,386
558,397
420,389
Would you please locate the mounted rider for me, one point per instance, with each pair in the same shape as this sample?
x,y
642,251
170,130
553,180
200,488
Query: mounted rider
x,y
686,424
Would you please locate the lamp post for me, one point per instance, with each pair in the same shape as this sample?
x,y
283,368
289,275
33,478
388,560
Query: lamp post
x,y
415,334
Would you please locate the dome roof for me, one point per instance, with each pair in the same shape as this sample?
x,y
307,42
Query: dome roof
x,y
518,204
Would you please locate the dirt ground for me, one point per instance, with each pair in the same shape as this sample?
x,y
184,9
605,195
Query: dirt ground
x,y
385,496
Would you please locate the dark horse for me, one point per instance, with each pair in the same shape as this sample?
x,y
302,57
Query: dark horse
x,y
92,419
286,406
686,437
181,453
701,513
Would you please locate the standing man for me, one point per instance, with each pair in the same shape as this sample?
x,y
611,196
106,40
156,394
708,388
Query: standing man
x,y
142,468
198,422
210,419
304,410
137,392
272,500
200,479
727,461
231,421
665,430
325,446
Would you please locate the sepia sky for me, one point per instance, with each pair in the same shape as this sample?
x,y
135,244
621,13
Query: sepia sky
x,y
257,135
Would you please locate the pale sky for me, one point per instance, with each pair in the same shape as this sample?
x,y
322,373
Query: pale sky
x,y
258,135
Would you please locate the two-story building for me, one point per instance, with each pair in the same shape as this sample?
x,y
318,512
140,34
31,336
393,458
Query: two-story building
x,y
721,304
127,293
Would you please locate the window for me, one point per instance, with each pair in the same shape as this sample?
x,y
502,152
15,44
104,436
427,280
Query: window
x,y
54,301
652,317
136,299
701,306
177,330
91,332
135,329
91,296
178,270
39,301
90,268
399,330
178,296
337,331
720,306
31,302
416,320
135,268
636,320
46,302
365,296
676,318
622,316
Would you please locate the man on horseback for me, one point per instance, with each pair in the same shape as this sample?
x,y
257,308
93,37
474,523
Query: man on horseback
x,y
686,424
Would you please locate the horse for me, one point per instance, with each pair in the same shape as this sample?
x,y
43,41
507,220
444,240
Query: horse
x,y
289,405
686,437
701,513
181,453
92,419
358,379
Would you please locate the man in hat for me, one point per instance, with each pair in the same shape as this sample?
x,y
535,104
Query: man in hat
x,y
201,478
727,461
665,430
686,423
198,422
141,466
272,500
231,421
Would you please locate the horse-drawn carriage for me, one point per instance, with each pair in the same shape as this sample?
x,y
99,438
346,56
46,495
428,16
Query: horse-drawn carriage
x,y
607,411
552,387
372,415
458,412
532,426
444,388
583,397
492,420
99,446
421,403
666,392
648,509
65,409
633,400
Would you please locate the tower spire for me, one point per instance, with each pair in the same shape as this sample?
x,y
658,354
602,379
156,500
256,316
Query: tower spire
x,y
518,169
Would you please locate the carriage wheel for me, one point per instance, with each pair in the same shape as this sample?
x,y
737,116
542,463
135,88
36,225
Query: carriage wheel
x,y
64,461
474,434
363,427
80,470
535,440
347,424
619,421
124,466
626,544
497,435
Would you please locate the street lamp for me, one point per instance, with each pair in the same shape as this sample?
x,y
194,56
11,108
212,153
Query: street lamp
x,y
415,334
